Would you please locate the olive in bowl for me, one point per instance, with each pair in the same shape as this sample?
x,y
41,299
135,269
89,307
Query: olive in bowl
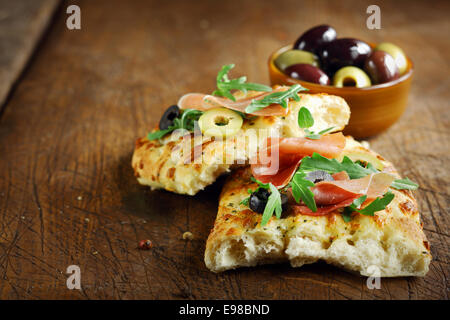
x,y
292,57
344,52
373,109
397,53
351,77
381,67
313,39
307,72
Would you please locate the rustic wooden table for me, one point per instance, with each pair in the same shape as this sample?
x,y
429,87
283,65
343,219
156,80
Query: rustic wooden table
x,y
67,192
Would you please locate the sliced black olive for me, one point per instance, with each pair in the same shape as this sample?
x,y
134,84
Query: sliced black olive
x,y
258,200
167,118
284,202
318,176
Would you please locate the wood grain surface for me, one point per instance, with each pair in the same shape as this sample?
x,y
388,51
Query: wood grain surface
x,y
67,191
22,23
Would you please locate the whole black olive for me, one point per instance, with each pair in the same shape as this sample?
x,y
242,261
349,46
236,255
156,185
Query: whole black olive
x,y
307,72
258,200
318,176
381,67
168,116
313,39
343,52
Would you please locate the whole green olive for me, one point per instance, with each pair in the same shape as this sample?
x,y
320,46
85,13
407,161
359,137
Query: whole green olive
x,y
397,53
351,77
291,57
381,67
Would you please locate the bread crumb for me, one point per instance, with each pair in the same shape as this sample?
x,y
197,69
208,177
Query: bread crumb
x,y
188,236
79,198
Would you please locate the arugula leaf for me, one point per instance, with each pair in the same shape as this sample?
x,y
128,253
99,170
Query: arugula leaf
x,y
245,201
316,136
280,98
358,202
159,134
318,162
347,214
225,85
377,205
186,121
300,190
305,119
326,130
273,204
260,184
401,184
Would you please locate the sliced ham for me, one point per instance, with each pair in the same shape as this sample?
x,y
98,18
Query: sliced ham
x,y
332,195
322,211
203,102
278,170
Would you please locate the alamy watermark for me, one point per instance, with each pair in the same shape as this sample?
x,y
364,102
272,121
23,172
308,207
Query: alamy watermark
x,y
74,279
73,22
374,281
374,20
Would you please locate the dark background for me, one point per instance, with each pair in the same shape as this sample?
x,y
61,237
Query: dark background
x,y
67,131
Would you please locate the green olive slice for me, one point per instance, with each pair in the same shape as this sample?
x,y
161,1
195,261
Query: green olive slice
x,y
351,77
220,122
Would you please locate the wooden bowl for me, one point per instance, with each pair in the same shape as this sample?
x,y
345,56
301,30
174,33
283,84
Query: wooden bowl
x,y
373,109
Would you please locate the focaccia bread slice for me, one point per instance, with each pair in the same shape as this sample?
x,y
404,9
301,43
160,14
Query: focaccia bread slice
x,y
392,240
154,163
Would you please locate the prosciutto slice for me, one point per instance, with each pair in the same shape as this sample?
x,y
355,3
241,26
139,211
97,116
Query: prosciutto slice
x,y
332,195
279,160
203,102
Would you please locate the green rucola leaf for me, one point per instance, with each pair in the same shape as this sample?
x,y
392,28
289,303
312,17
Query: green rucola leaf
x,y
159,134
225,85
300,190
279,97
318,162
305,119
273,205
402,184
347,214
377,205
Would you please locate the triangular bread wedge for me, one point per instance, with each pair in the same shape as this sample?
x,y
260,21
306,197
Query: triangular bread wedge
x,y
155,165
391,243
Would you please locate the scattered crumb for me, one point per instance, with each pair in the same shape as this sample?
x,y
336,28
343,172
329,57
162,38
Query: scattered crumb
x,y
86,219
80,198
145,244
95,252
188,236
22,217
